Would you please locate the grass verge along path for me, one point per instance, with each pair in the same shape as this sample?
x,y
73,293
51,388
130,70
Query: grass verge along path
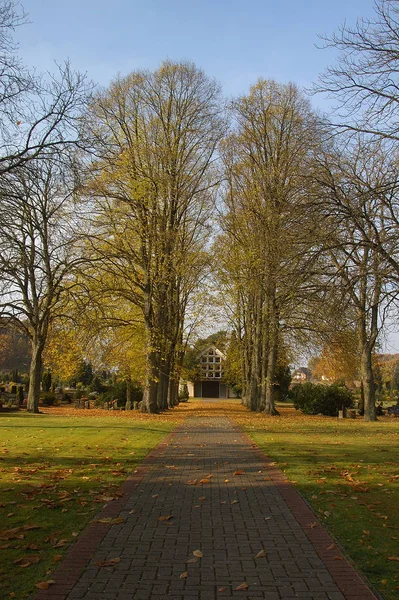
x,y
56,471
348,471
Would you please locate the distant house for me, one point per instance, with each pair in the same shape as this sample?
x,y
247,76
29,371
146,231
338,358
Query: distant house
x,y
209,383
301,375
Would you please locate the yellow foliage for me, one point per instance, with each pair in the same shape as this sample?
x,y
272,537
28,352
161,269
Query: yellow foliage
x,y
339,358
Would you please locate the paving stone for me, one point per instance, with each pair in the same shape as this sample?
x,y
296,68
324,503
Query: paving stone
x,y
230,522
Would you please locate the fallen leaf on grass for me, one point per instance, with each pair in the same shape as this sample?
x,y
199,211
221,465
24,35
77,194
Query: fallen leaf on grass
x,y
393,558
198,553
26,561
261,554
44,585
60,543
165,518
243,586
108,563
183,575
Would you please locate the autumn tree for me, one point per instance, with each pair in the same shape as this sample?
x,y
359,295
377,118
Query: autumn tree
x,y
339,359
152,186
363,83
38,252
358,181
266,252
38,114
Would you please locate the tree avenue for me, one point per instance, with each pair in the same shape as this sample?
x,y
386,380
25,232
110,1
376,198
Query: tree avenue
x,y
152,184
116,207
268,236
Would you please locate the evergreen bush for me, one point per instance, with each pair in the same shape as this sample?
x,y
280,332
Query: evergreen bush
x,y
314,399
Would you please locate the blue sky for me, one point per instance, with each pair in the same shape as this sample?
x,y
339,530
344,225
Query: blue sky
x,y
235,41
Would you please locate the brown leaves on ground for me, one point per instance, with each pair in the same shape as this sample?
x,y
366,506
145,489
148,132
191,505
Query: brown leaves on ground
x,y
110,520
27,561
243,586
198,553
183,575
108,563
165,518
261,554
44,585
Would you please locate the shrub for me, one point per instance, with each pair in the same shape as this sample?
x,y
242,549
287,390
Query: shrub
x,y
48,399
183,393
314,399
97,385
20,395
46,381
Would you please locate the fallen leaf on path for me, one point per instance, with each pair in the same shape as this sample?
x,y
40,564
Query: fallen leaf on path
x,y
165,518
184,575
191,561
331,546
44,585
261,554
110,520
222,589
198,553
205,480
239,472
108,563
243,586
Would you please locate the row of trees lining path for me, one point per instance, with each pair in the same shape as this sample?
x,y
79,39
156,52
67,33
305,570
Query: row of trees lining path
x,y
117,205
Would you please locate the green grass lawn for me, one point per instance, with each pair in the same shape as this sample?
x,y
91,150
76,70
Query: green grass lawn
x,y
56,472
348,471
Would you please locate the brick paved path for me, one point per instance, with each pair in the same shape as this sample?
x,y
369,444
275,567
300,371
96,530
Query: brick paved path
x,y
229,518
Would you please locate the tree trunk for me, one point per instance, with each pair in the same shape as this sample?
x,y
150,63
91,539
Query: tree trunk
x,y
366,371
128,405
150,394
35,376
272,356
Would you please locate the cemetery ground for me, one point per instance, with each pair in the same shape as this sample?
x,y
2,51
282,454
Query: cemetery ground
x,y
59,468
